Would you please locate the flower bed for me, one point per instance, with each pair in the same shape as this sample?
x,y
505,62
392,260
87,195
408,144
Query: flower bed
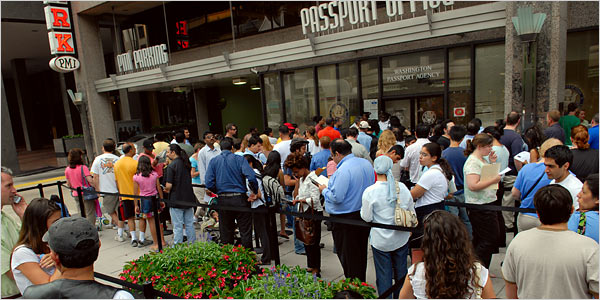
x,y
210,270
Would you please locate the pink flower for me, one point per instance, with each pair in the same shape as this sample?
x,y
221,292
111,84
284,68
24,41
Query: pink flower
x,y
226,257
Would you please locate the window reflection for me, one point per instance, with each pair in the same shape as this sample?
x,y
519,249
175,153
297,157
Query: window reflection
x,y
489,83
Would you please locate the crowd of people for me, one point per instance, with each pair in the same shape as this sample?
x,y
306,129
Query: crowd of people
x,y
363,172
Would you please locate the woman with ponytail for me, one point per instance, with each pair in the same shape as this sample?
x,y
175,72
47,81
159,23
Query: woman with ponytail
x,y
181,195
585,159
432,187
390,247
484,222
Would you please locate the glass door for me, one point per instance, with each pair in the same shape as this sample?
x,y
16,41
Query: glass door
x,y
415,110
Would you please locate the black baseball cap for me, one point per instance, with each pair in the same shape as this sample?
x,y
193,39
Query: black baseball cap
x,y
65,235
149,144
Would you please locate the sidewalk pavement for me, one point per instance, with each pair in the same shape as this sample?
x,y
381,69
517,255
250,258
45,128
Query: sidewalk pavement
x,y
114,254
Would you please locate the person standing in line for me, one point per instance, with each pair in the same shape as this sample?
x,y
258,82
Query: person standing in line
x,y
410,162
580,113
554,130
569,121
444,140
226,176
384,120
531,178
484,222
357,149
146,184
186,134
307,194
267,147
255,149
329,130
205,155
319,123
319,160
180,139
198,191
269,133
386,141
593,132
283,147
533,137
103,175
550,261
259,219
297,146
10,231
585,160
313,146
363,138
558,160
124,169
343,199
585,220
75,179
159,143
273,184
514,143
231,130
390,247
455,155
502,155
472,130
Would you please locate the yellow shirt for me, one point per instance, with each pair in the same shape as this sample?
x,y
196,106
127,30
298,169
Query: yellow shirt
x,y
124,169
159,147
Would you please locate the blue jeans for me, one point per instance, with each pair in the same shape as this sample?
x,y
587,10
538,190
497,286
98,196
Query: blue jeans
x,y
388,266
298,245
180,216
461,212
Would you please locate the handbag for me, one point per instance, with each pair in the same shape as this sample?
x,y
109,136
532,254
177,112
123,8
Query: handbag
x,y
404,217
305,228
89,192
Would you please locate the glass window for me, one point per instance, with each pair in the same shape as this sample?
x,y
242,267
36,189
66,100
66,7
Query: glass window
x,y
327,89
299,97
272,91
369,79
489,83
582,72
348,106
414,73
459,96
429,110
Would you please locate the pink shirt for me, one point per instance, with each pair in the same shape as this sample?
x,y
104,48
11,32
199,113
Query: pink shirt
x,y
74,177
147,184
159,167
331,167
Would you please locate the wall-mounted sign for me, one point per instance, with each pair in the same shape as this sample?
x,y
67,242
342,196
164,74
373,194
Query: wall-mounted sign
x,y
413,72
371,106
59,30
143,59
333,14
64,64
459,112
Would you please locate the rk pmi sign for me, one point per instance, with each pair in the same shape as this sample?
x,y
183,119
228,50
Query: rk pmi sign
x,y
59,30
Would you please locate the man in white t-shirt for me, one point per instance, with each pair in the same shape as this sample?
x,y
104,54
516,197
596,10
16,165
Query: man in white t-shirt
x,y
550,261
104,177
411,158
558,159
283,147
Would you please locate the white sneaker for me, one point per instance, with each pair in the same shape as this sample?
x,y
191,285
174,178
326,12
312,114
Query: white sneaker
x,y
119,238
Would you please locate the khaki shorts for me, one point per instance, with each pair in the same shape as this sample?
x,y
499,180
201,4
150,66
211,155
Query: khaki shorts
x,y
110,203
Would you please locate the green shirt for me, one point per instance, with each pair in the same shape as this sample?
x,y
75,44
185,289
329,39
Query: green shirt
x,y
473,166
10,236
568,122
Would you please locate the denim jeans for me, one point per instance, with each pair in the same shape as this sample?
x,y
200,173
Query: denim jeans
x,y
180,216
388,266
298,245
461,212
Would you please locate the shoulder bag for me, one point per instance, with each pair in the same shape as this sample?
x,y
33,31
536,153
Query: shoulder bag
x,y
89,192
305,228
403,217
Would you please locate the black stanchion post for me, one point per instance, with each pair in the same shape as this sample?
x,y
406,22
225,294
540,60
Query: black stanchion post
x,y
63,208
155,205
272,230
41,189
81,206
148,291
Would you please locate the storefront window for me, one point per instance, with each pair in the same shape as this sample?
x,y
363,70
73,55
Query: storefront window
x,y
459,96
327,89
272,91
369,79
582,72
299,94
414,73
489,83
348,109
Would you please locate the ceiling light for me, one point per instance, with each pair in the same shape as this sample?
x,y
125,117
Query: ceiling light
x,y
255,87
239,81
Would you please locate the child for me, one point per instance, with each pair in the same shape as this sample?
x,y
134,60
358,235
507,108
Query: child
x,y
145,183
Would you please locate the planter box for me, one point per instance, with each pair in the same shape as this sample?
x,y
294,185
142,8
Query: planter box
x,y
74,143
62,147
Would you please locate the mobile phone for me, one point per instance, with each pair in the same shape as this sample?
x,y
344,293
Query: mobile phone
x,y
17,199
314,182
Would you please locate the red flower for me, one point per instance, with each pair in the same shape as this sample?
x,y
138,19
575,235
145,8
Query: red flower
x,y
226,257
364,284
248,288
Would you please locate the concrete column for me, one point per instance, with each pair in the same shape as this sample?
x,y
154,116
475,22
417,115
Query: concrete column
x,y
201,111
551,58
19,74
9,150
89,49
123,96
66,104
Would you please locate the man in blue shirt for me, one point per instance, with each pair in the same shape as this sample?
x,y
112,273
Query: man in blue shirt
x,y
343,199
593,132
226,176
320,159
455,156
363,138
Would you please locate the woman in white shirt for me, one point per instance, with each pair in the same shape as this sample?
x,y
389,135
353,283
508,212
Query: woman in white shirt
x,y
30,262
432,187
449,269
484,222
307,194
390,247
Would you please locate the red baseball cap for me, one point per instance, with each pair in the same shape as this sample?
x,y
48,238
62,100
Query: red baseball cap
x,y
289,126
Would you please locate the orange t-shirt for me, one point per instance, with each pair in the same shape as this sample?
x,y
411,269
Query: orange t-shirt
x,y
330,132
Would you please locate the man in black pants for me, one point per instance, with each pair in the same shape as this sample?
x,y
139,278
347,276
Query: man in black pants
x,y
343,199
226,176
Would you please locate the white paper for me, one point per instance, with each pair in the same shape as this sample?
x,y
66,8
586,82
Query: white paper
x,y
505,171
523,157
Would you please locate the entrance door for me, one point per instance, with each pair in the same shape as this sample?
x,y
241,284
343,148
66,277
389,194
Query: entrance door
x,y
414,110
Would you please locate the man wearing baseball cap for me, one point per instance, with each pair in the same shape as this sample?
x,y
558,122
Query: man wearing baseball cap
x,y
74,247
363,138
